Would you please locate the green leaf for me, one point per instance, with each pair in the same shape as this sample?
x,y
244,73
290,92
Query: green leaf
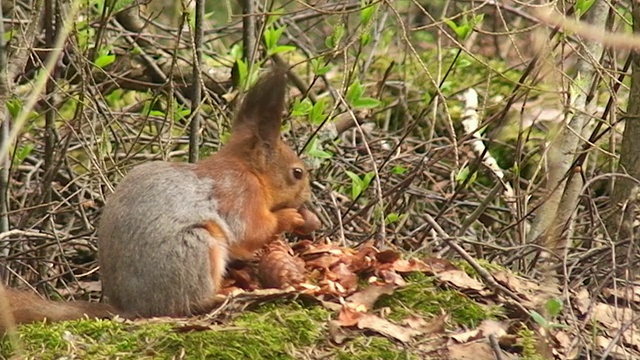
x,y
319,68
301,108
280,49
8,35
399,170
314,151
367,179
105,60
553,307
316,116
243,72
539,319
365,103
391,218
334,40
462,31
354,92
22,152
274,16
365,39
236,51
320,154
14,105
357,185
582,6
462,175
367,12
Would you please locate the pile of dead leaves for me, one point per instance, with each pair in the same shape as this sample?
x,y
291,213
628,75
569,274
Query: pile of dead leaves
x,y
350,281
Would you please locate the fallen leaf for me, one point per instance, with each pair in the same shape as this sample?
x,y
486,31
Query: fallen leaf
x,y
439,265
386,328
387,256
337,333
616,351
345,277
490,327
434,326
612,317
460,279
349,316
582,301
391,277
411,265
466,336
565,348
370,295
471,351
629,294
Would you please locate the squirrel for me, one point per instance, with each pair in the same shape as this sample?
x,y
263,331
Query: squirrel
x,y
169,230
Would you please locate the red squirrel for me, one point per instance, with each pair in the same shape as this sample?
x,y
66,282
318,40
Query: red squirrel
x,y
168,231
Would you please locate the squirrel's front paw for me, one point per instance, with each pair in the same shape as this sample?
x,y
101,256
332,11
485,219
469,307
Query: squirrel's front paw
x,y
289,219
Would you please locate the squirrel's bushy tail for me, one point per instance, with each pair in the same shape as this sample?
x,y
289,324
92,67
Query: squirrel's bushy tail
x,y
26,307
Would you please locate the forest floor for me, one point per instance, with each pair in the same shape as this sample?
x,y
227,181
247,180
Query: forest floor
x,y
357,304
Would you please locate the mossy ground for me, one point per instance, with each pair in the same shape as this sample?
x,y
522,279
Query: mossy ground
x,y
285,329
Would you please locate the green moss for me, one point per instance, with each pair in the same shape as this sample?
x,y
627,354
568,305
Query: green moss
x,y
269,333
374,348
529,343
422,297
487,265
281,329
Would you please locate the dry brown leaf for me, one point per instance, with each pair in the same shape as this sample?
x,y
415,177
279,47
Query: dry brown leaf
x,y
243,278
386,328
363,260
531,293
515,283
311,250
387,256
565,348
434,326
337,333
612,317
490,327
349,315
460,279
466,336
582,301
630,294
370,295
323,262
279,268
343,275
471,351
440,265
411,265
617,351
391,277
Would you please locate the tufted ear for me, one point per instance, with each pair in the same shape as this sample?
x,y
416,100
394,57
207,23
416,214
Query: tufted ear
x,y
261,110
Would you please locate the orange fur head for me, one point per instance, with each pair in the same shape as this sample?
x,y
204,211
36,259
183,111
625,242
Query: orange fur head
x,y
255,140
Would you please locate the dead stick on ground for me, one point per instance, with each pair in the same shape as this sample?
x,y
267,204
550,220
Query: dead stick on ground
x,y
484,274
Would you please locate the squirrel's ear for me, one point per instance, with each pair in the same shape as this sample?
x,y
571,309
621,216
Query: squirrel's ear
x,y
262,107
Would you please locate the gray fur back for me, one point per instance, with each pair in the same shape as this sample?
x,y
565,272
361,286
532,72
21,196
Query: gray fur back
x,y
154,256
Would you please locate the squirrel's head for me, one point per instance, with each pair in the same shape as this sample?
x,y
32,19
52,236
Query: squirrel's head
x,y
255,136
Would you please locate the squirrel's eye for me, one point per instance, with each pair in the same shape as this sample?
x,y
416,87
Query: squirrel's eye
x,y
298,173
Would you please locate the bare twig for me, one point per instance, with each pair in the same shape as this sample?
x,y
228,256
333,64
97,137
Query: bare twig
x,y
194,130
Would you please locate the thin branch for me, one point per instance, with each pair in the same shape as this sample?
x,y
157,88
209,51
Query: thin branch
x,y
196,95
